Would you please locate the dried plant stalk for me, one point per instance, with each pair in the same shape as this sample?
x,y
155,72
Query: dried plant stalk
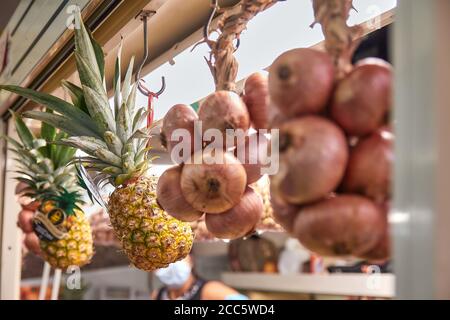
x,y
340,39
222,63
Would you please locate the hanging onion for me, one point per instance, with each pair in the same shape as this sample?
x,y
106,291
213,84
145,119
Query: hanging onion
x,y
257,100
362,99
238,221
25,220
340,226
313,158
216,185
301,81
180,116
171,199
369,169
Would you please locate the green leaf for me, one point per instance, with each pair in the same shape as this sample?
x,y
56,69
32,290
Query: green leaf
x,y
131,101
24,133
108,157
88,77
128,158
83,44
87,144
58,105
123,121
139,118
114,143
99,109
117,81
47,131
65,155
12,141
61,122
99,55
127,81
76,95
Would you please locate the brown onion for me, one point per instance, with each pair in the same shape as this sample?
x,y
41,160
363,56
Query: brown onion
x,y
313,158
283,212
369,168
213,186
32,243
170,198
382,250
25,220
301,81
340,226
362,99
238,221
180,116
224,110
254,156
276,118
21,187
257,100
28,203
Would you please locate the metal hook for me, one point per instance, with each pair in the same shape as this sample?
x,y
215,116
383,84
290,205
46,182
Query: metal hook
x,y
207,26
145,14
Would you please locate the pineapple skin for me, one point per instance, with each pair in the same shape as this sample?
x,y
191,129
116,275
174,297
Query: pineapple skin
x,y
75,249
150,237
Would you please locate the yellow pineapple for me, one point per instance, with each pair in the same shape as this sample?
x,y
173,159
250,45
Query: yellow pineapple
x,y
44,169
115,141
75,248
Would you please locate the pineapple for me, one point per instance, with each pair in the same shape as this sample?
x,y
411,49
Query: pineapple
x,y
43,168
116,148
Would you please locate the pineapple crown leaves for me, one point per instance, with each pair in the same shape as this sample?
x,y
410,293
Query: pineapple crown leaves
x,y
41,165
85,181
66,200
112,138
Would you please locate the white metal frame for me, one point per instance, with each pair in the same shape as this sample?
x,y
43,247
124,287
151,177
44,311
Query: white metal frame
x,y
421,215
11,236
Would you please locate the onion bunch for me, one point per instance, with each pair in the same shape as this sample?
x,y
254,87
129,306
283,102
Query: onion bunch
x,y
25,219
336,150
215,178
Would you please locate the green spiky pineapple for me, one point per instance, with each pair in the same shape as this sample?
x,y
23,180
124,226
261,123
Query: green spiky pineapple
x,y
51,182
115,144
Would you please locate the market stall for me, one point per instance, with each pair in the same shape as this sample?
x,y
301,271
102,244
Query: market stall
x,y
345,197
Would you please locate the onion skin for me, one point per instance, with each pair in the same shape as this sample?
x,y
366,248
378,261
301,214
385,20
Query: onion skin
x,y
340,226
170,197
363,98
283,212
313,159
369,169
180,116
21,187
224,110
213,188
32,243
25,221
253,171
32,206
382,250
301,81
276,118
238,221
257,100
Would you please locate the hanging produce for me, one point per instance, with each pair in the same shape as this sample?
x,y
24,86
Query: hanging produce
x,y
214,180
335,150
115,144
257,100
55,228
